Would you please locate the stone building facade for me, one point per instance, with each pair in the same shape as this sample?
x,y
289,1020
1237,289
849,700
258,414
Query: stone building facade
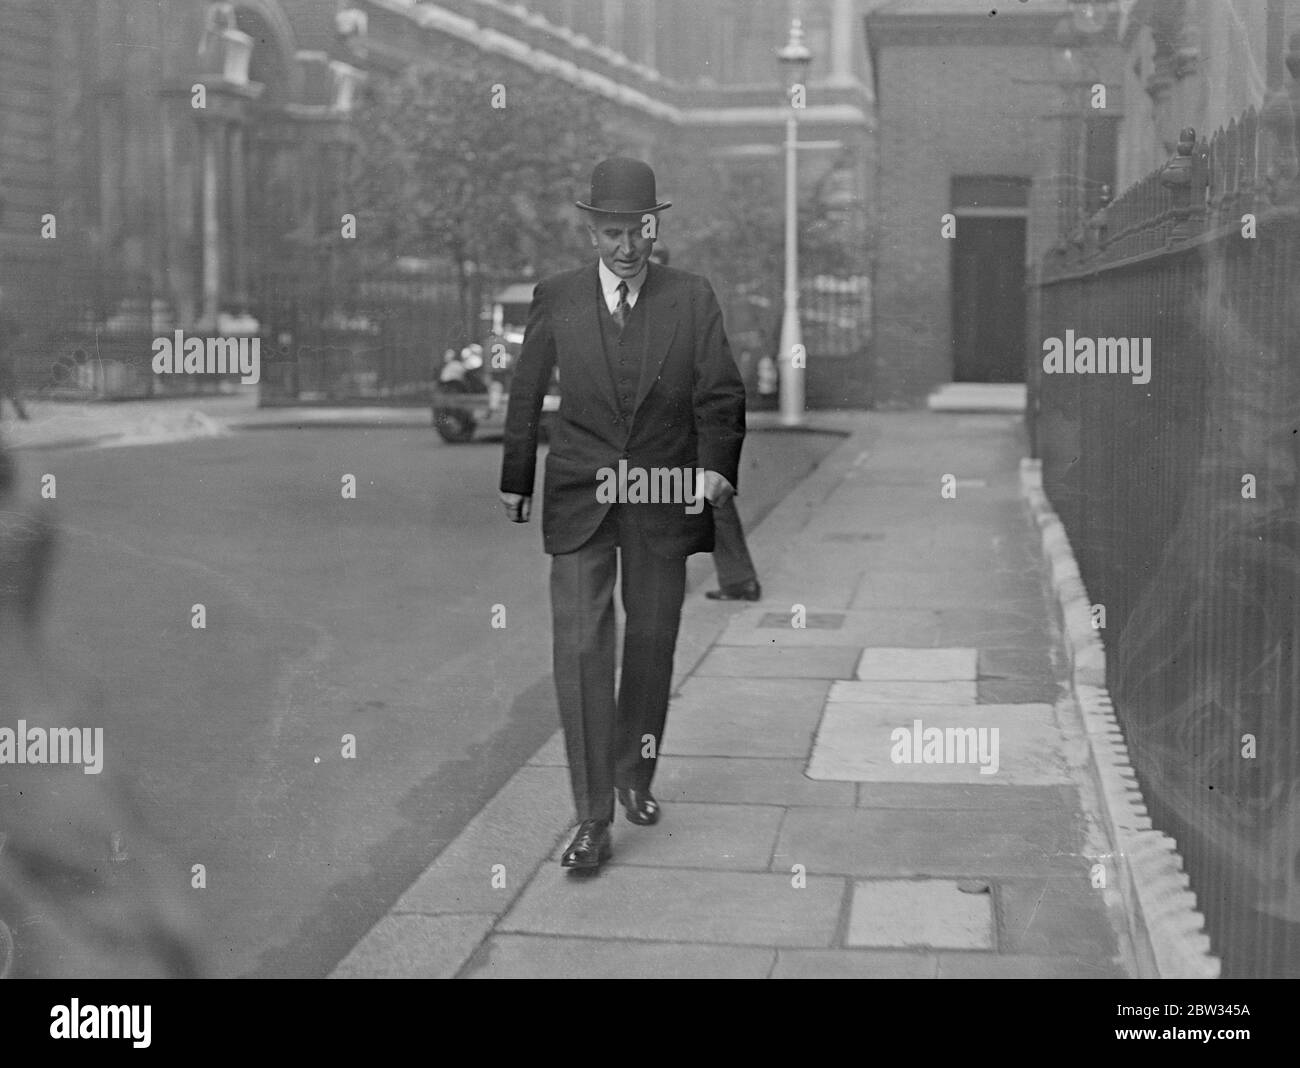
x,y
969,116
160,208
1198,63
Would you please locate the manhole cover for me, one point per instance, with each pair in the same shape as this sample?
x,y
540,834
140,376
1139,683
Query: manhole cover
x,y
813,620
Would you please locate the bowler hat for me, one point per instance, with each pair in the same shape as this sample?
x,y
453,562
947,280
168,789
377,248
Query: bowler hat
x,y
622,186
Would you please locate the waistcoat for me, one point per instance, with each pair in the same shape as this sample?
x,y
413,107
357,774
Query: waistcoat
x,y
626,354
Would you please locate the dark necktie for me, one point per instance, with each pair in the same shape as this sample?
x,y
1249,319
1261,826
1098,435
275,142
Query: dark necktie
x,y
623,309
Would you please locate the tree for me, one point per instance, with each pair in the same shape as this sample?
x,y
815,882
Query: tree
x,y
734,233
476,165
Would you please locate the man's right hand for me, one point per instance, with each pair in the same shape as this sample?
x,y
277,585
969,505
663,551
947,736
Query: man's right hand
x,y
518,507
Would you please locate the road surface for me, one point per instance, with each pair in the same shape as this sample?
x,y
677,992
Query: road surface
x,y
325,619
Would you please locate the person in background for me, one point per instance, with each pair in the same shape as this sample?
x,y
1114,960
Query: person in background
x,y
737,576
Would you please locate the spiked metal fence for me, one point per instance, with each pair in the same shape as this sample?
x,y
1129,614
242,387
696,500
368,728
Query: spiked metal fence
x,y
1181,496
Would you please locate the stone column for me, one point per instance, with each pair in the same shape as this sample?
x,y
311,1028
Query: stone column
x,y
238,217
210,230
224,56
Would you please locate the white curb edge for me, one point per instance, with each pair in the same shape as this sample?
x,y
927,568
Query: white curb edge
x,y
1161,906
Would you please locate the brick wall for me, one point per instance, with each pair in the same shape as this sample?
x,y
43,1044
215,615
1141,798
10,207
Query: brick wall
x,y
944,110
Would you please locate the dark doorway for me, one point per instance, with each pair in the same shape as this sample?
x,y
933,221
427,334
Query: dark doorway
x,y
988,299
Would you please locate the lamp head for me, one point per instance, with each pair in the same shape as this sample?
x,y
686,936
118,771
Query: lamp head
x,y
795,55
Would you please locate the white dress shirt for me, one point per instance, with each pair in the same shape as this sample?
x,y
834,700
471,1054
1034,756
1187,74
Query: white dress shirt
x,y
609,286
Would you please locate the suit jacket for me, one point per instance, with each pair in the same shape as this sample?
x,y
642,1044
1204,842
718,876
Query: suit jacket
x,y
689,410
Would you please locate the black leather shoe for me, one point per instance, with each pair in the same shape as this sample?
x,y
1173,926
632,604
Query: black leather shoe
x,y
590,847
746,591
640,806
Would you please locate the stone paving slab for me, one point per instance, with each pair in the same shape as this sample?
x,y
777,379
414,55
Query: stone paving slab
x,y
824,545
949,583
719,837
817,580
744,780
955,844
854,964
951,692
740,717
880,509
914,628
992,627
1054,917
670,904
539,957
855,742
551,754
1030,665
927,913
1001,966
879,588
1015,692
949,530
415,947
1063,797
908,553
782,591
534,807
936,665
778,663
905,554
728,779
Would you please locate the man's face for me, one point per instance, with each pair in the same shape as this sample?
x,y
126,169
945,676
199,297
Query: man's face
x,y
618,241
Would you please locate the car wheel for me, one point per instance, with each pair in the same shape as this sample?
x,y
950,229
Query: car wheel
x,y
454,425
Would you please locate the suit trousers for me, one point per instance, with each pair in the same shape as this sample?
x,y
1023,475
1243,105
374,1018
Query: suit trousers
x,y
613,740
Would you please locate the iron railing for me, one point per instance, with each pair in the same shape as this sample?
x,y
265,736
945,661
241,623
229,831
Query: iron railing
x,y
1181,500
376,335
93,337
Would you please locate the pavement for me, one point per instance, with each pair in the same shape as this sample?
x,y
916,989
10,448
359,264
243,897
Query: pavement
x,y
66,423
813,824
827,810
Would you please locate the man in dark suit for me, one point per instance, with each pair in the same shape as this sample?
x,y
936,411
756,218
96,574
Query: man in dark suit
x,y
647,384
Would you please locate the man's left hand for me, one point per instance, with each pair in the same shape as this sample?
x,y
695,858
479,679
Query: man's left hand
x,y
716,489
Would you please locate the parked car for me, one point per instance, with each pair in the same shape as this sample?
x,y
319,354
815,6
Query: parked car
x,y
474,384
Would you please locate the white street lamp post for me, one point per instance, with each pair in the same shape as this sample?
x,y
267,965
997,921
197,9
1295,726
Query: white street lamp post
x,y
795,57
